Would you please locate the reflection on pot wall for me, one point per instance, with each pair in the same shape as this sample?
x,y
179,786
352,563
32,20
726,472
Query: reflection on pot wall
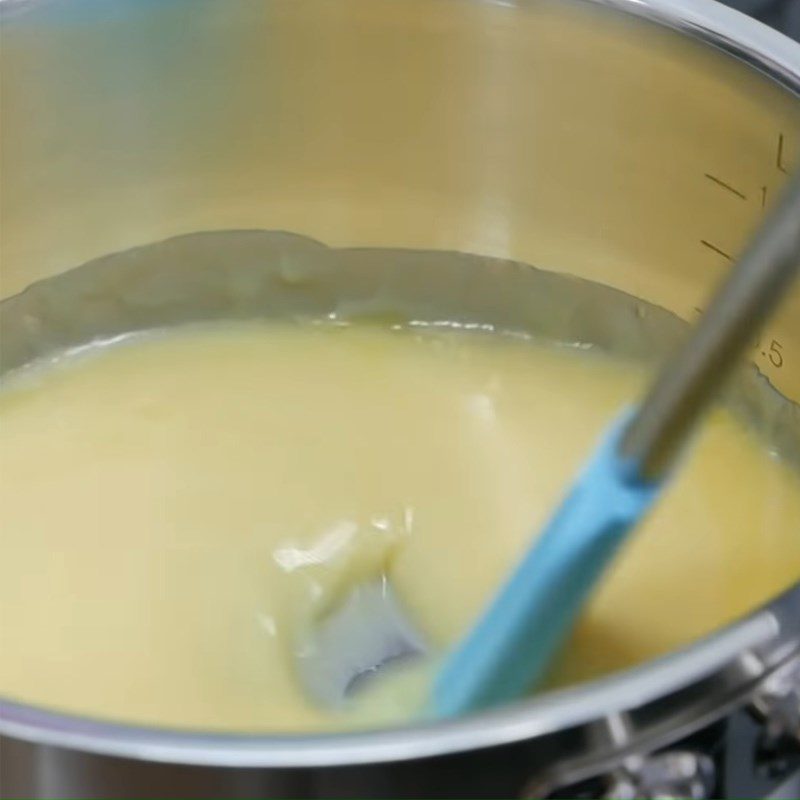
x,y
563,138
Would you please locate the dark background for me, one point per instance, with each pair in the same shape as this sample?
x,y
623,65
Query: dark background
x,y
781,14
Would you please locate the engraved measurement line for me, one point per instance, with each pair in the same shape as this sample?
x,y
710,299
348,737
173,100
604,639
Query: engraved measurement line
x,y
715,249
779,157
727,186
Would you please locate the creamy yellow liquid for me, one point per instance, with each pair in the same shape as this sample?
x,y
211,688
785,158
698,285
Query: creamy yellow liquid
x,y
175,509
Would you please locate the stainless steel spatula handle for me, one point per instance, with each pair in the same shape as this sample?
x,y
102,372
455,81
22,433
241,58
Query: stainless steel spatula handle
x,y
747,297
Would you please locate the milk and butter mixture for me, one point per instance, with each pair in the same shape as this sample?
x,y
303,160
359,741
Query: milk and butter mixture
x,y
176,508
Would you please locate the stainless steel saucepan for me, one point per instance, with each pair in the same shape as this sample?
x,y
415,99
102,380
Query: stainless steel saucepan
x,y
633,143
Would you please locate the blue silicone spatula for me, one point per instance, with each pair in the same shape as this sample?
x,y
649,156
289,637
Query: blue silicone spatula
x,y
511,647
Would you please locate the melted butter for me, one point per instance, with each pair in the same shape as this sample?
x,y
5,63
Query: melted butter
x,y
174,510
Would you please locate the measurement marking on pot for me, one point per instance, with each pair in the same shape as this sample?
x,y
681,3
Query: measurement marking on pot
x,y
769,354
771,350
716,249
779,163
726,186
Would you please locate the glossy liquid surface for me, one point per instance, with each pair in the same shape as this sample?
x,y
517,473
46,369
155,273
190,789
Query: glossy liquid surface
x,y
176,509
